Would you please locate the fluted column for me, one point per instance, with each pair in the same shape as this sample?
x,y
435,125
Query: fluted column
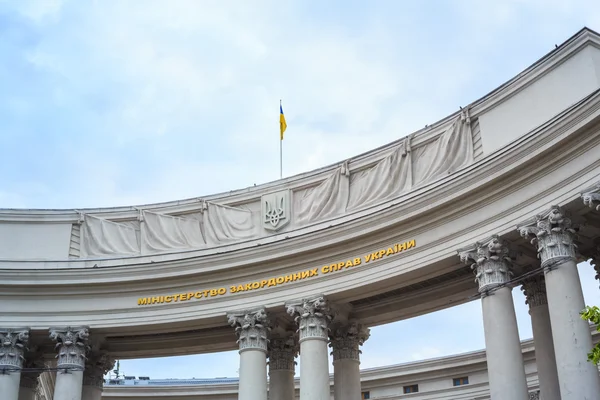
x,y
552,234
492,266
282,352
72,346
313,317
97,365
252,329
13,344
535,292
345,342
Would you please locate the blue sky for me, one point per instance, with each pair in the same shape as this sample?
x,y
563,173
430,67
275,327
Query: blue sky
x,y
106,103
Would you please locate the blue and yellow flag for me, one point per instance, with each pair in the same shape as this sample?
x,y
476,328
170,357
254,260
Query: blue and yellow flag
x,y
282,124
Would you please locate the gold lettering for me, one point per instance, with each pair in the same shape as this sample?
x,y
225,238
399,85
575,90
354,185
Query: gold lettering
x,y
190,296
168,299
263,283
240,288
325,269
255,285
232,289
402,247
396,248
221,291
374,256
349,264
155,300
367,258
288,278
340,265
205,293
213,292
389,251
305,274
142,301
357,261
183,297
280,280
297,276
381,253
411,244
272,283
198,295
314,272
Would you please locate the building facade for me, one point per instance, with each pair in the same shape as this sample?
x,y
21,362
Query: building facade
x,y
502,194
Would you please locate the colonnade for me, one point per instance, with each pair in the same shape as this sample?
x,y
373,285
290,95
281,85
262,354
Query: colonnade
x,y
553,291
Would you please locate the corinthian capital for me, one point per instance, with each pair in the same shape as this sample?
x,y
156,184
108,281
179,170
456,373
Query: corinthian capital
x,y
591,197
490,261
312,316
252,328
553,234
98,363
346,340
282,352
13,344
72,345
534,289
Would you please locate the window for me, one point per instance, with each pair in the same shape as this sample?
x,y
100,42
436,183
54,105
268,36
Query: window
x,y
461,381
411,389
365,395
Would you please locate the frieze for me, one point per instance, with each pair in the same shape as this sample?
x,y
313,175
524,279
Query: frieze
x,y
491,262
252,329
553,234
313,317
13,344
72,345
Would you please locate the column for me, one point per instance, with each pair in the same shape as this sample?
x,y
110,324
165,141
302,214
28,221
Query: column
x,y
97,365
591,198
492,265
552,234
535,292
72,345
252,329
313,317
13,344
34,365
282,352
345,342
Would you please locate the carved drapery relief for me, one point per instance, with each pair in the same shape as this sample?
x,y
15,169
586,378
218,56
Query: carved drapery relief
x,y
252,329
534,289
346,340
282,352
13,344
96,366
490,261
313,317
72,345
591,197
553,234
404,166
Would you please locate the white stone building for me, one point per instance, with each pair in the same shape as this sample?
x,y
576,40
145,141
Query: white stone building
x,y
507,188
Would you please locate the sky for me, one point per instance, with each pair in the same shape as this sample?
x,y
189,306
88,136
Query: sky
x,y
108,103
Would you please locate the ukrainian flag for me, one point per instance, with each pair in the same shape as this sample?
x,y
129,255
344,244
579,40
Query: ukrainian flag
x,y
282,124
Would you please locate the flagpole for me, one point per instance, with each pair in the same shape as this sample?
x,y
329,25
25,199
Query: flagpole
x,y
280,151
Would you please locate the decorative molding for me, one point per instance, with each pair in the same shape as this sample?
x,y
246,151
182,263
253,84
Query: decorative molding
x,y
591,197
72,345
553,234
282,352
534,289
313,317
491,262
346,340
595,261
534,395
97,364
13,344
252,329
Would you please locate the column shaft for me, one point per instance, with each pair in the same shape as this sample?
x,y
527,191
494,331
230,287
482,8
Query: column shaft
x,y
572,337
313,317
281,385
492,263
72,346
314,370
346,379
26,393
252,329
12,346
345,340
503,347
553,234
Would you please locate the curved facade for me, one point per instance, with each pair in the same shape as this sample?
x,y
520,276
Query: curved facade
x,y
507,188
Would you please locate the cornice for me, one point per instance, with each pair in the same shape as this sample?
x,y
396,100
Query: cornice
x,y
235,197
